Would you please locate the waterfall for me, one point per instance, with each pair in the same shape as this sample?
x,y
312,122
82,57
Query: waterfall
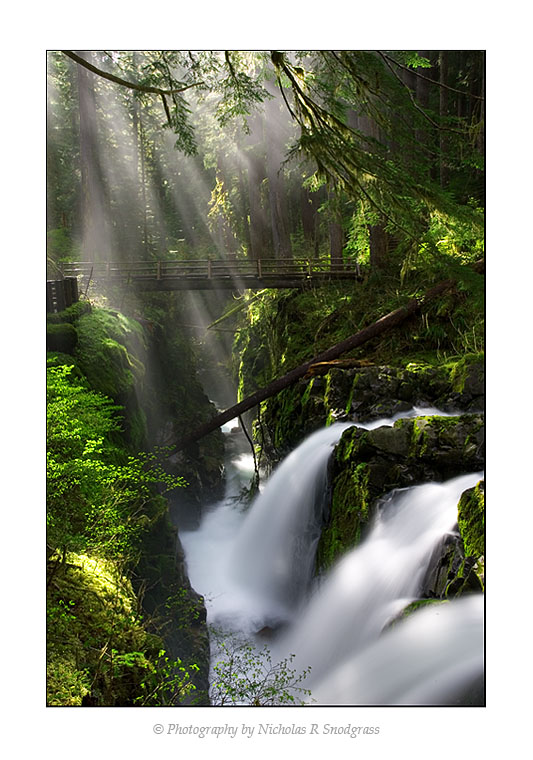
x,y
255,569
372,583
275,550
273,555
435,657
255,566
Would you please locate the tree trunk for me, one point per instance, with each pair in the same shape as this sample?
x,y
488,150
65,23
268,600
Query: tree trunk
x,y
336,231
309,215
336,243
379,246
374,330
276,183
93,243
443,110
422,94
260,242
243,210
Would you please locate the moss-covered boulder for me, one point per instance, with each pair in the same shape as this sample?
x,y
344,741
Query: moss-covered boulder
x,y
369,463
61,337
471,520
367,393
110,352
71,313
98,651
470,575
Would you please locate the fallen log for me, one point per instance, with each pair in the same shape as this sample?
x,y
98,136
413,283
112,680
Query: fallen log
x,y
387,322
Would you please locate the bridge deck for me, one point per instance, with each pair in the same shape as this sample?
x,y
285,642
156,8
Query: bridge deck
x,y
211,274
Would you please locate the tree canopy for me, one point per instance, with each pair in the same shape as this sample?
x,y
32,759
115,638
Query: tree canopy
x,y
280,153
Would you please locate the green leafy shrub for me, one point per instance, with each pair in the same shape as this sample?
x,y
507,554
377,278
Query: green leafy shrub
x,y
247,676
98,496
99,652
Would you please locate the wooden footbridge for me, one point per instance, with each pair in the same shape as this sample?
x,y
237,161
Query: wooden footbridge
x,y
212,274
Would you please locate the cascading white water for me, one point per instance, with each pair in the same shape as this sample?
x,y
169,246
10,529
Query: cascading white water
x,y
435,657
254,570
374,581
273,555
255,566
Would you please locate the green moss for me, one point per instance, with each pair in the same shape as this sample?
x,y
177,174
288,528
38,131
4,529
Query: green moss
x,y
61,337
471,520
307,392
438,433
96,641
348,408
330,417
349,508
460,371
413,607
107,346
71,313
419,438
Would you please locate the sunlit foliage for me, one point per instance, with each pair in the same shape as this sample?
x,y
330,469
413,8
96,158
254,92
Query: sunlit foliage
x,y
99,499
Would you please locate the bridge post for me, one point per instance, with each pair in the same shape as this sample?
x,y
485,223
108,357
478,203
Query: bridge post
x,y
209,269
309,269
70,286
259,268
158,269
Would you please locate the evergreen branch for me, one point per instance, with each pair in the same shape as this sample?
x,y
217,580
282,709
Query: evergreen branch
x,y
227,58
124,82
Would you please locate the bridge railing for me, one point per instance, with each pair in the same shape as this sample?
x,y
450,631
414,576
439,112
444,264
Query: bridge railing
x,y
209,269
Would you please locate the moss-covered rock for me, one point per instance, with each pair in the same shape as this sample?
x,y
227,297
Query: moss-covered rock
x,y
367,393
71,313
348,515
98,649
61,337
471,520
109,352
369,463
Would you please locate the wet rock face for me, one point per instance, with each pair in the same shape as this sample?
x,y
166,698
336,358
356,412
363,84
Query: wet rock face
x,y
385,391
364,394
415,450
367,464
